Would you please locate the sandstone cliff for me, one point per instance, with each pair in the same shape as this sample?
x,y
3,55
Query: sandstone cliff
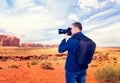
x,y
29,44
7,40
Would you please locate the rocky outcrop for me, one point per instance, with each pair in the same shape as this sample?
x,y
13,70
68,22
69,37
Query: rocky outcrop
x,y
7,40
29,44
34,57
99,56
54,45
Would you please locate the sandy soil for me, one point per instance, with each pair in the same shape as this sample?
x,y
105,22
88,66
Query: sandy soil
x,y
35,74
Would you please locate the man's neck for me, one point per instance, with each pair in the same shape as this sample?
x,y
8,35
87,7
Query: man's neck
x,y
77,32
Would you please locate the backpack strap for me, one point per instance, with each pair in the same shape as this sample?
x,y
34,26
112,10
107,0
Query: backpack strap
x,y
84,39
77,37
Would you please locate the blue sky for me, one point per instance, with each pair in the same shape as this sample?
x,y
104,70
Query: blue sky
x,y
39,20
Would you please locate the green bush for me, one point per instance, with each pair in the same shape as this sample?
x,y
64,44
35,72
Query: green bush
x,y
108,74
14,66
34,63
46,65
107,54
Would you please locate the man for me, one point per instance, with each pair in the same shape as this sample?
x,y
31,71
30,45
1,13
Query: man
x,y
73,72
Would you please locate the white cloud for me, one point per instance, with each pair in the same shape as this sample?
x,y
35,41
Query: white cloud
x,y
27,22
86,4
28,17
89,26
73,17
34,23
102,13
117,1
38,8
23,3
33,16
106,36
2,30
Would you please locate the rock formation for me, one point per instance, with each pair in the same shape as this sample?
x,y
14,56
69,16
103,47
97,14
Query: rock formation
x,y
29,44
7,40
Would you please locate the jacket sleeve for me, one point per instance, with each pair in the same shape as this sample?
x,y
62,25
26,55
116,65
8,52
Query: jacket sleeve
x,y
64,45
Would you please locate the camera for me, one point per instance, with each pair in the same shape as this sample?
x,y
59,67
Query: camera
x,y
64,31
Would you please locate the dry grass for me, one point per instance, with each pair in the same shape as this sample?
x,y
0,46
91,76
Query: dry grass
x,y
94,64
14,66
34,63
26,51
108,74
46,65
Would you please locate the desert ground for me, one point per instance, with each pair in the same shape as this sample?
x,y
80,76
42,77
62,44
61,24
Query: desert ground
x,y
46,65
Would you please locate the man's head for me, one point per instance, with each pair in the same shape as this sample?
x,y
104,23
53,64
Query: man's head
x,y
76,27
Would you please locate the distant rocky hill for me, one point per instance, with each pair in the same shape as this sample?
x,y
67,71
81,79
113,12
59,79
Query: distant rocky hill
x,y
30,44
7,40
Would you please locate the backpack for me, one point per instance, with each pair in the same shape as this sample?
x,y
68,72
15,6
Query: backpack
x,y
85,51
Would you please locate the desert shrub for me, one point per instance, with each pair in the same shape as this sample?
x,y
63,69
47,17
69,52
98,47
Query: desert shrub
x,y
118,72
28,64
46,65
34,63
107,55
108,74
95,57
94,64
14,66
1,68
114,58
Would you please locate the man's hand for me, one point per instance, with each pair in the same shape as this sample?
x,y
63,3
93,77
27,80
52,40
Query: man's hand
x,y
65,35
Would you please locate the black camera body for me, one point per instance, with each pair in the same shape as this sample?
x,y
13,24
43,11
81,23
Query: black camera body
x,y
64,31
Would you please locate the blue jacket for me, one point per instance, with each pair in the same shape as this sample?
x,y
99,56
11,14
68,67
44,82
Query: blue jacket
x,y
71,45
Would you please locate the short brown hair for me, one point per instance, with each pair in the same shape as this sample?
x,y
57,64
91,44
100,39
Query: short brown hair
x,y
77,24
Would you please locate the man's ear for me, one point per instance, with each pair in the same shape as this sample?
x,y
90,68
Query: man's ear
x,y
76,29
